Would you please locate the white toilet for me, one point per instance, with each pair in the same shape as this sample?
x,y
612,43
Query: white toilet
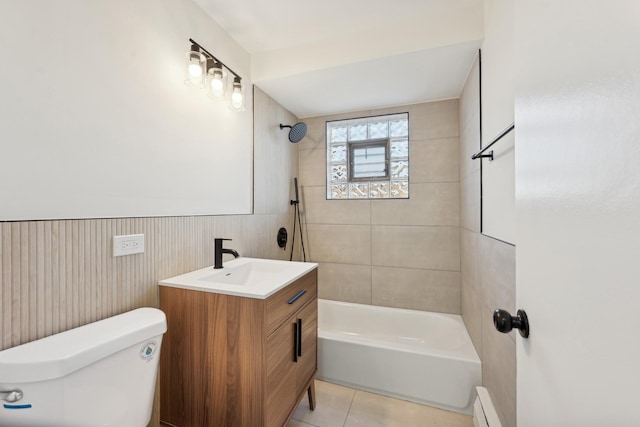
x,y
100,374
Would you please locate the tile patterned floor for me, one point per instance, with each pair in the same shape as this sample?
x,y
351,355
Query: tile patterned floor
x,y
338,406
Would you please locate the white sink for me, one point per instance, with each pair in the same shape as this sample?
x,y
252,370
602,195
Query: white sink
x,y
248,273
248,277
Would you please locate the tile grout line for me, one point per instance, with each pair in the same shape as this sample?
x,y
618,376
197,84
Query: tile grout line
x,y
350,406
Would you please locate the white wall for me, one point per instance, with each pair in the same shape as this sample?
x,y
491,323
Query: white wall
x,y
95,120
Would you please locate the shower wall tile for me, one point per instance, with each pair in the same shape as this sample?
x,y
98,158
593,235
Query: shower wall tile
x,y
313,171
421,233
430,204
429,120
416,289
499,370
393,110
470,136
472,312
345,282
315,137
318,210
470,202
497,274
435,248
434,160
434,120
345,244
470,259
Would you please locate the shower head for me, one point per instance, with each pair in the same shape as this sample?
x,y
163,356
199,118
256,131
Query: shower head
x,y
296,132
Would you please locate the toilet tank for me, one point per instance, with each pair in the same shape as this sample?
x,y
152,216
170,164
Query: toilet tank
x,y
100,374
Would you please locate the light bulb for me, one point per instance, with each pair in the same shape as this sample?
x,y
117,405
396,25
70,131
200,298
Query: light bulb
x,y
236,98
216,84
195,70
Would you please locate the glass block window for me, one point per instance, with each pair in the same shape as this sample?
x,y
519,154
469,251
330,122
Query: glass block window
x,y
368,158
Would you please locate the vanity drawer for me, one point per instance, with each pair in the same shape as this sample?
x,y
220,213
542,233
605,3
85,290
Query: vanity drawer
x,y
290,299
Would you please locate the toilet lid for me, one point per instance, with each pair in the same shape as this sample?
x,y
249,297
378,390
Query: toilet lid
x,y
61,354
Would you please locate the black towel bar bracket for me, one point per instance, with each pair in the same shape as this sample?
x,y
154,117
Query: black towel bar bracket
x,y
480,154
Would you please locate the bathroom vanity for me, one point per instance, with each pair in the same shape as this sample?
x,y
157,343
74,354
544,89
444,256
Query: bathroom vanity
x,y
241,344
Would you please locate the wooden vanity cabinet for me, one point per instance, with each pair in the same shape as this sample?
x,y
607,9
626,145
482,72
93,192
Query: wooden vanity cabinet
x,y
238,361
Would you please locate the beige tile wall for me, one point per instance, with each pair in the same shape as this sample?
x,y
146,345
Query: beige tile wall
x,y
397,253
488,268
56,275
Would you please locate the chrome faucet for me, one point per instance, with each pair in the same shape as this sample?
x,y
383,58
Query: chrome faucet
x,y
219,250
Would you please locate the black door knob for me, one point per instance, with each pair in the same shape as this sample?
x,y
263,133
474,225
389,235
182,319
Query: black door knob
x,y
505,322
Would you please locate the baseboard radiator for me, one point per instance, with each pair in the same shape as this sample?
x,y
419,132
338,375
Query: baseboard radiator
x,y
484,413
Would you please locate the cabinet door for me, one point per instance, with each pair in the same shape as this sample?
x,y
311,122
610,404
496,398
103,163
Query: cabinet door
x,y
281,374
307,360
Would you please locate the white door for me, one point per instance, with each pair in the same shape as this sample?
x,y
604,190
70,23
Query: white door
x,y
578,211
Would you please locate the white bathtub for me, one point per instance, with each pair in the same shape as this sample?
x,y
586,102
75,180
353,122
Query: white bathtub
x,y
413,355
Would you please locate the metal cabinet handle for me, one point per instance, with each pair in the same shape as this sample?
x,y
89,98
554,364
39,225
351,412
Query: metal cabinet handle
x,y
299,337
295,342
297,296
11,396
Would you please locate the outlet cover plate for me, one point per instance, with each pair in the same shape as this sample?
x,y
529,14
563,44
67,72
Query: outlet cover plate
x,y
128,245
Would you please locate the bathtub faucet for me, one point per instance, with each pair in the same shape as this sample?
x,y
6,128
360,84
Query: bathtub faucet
x,y
219,250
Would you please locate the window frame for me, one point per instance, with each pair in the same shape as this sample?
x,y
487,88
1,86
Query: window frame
x,y
380,142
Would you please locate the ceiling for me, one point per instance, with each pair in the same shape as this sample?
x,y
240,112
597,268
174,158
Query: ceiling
x,y
318,58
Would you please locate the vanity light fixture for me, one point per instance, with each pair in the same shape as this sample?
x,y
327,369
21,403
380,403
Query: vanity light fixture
x,y
206,71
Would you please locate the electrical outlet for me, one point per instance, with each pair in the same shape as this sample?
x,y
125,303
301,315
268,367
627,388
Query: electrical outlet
x,y
127,245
